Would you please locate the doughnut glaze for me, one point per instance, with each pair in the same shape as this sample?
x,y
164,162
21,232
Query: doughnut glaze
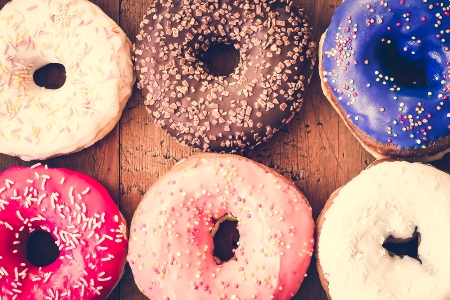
x,y
224,113
393,118
389,199
82,218
171,246
38,123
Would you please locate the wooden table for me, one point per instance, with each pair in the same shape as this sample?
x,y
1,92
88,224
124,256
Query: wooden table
x,y
315,151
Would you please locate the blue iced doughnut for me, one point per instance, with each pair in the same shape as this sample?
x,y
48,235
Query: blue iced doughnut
x,y
390,116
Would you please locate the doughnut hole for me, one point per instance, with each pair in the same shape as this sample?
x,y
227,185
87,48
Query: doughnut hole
x,y
404,71
403,247
41,249
221,59
51,76
226,239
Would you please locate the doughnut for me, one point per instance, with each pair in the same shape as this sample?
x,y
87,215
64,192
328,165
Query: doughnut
x,y
274,56
171,247
391,199
81,217
384,67
38,123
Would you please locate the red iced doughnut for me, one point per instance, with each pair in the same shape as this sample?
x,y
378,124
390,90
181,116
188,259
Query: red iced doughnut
x,y
79,214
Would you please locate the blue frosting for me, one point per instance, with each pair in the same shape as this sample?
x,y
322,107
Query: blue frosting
x,y
376,102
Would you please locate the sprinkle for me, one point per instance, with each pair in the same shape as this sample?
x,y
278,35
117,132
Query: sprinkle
x,y
8,183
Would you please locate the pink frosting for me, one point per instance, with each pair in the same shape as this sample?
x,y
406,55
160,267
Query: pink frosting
x,y
82,218
170,250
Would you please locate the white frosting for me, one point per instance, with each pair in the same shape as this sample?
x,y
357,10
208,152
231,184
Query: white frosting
x,y
37,123
388,199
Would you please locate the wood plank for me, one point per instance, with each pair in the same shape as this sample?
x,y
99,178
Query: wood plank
x,y
315,150
146,152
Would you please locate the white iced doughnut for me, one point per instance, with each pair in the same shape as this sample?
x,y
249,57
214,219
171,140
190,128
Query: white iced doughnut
x,y
37,123
388,199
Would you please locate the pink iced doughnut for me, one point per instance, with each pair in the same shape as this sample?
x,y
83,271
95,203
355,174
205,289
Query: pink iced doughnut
x,y
171,246
82,218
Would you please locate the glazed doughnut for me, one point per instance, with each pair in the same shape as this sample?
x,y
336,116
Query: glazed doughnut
x,y
365,55
38,123
82,219
275,57
389,199
171,248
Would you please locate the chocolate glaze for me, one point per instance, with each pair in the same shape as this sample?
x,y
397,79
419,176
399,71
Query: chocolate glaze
x,y
224,113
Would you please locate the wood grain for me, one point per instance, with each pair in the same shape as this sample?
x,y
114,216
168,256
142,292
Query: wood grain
x,y
315,151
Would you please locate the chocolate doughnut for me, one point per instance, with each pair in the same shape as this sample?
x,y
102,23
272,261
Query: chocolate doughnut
x,y
218,111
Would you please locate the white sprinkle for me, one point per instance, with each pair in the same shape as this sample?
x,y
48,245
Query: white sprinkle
x,y
8,226
25,193
35,165
41,198
84,281
8,183
47,276
105,279
72,200
105,259
62,181
100,241
108,237
52,201
19,215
